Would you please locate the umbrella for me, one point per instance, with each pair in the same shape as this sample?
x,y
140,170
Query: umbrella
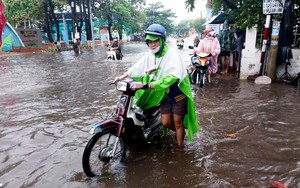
x,y
286,32
288,20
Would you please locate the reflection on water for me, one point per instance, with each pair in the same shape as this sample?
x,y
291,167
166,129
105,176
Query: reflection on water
x,y
48,101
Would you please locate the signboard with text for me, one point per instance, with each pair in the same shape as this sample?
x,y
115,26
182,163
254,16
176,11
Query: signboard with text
x,y
30,37
272,7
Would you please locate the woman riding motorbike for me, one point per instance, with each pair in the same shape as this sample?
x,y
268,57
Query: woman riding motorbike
x,y
210,45
169,86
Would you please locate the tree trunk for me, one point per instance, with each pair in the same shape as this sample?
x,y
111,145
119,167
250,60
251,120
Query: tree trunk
x,y
47,23
73,16
88,21
109,20
55,19
80,24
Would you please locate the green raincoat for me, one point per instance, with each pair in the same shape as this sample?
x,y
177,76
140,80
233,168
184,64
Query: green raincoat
x,y
169,69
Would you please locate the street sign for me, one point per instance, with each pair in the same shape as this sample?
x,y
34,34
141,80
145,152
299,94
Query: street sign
x,y
272,7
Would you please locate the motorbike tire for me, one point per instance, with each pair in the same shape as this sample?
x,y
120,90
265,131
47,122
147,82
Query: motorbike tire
x,y
201,80
193,78
95,160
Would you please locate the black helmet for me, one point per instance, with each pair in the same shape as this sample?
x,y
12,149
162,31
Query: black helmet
x,y
156,29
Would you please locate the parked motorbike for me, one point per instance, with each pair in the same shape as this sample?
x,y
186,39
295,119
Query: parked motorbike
x,y
128,124
198,67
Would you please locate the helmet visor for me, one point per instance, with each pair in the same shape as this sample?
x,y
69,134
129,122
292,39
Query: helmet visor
x,y
152,37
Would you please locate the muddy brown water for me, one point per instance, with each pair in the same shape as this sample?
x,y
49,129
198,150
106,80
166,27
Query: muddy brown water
x,y
49,100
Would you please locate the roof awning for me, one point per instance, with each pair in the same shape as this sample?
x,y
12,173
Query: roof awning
x,y
210,20
218,19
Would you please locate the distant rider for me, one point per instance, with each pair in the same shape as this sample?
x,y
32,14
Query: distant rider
x,y
116,47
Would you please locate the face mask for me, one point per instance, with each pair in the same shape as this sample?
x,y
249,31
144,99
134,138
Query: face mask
x,y
154,51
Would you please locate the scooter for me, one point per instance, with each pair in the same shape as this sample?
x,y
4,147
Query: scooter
x,y
127,125
198,67
114,54
179,45
76,46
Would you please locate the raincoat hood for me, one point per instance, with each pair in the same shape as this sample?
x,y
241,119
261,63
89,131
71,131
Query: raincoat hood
x,y
163,46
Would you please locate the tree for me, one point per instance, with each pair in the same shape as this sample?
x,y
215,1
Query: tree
x,y
120,15
198,25
157,14
246,13
182,28
19,12
50,17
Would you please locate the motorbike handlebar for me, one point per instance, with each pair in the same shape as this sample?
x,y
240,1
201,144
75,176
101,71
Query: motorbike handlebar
x,y
139,85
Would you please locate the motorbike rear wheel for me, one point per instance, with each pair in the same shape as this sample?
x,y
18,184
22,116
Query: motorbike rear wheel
x,y
97,155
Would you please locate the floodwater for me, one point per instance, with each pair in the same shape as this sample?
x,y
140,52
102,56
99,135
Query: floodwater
x,y
48,101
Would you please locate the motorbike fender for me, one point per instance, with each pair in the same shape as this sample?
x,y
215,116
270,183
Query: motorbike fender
x,y
104,125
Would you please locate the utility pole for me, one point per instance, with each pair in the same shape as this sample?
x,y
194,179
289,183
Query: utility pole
x,y
91,22
265,45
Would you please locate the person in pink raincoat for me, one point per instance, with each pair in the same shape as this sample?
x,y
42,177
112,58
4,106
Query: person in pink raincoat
x,y
210,45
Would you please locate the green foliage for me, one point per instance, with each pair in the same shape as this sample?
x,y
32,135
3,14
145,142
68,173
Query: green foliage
x,y
190,5
18,11
182,28
246,13
121,14
157,14
198,25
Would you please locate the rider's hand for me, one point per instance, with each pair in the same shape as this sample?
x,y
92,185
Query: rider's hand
x,y
116,79
151,85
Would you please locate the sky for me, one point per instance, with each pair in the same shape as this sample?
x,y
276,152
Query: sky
x,y
178,7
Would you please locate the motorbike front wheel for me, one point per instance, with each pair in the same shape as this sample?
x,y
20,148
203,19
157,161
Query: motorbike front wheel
x,y
98,154
201,80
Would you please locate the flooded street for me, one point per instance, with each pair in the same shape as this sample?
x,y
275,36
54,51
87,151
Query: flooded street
x,y
249,134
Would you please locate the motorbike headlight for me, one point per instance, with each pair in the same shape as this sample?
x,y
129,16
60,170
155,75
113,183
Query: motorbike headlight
x,y
203,61
122,86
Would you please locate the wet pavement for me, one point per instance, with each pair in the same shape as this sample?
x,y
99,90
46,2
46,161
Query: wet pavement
x,y
249,135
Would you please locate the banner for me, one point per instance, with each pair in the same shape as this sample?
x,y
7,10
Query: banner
x,y
2,20
7,43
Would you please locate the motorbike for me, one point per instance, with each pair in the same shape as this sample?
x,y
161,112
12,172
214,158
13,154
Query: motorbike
x,y
76,46
179,45
113,54
127,125
198,67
